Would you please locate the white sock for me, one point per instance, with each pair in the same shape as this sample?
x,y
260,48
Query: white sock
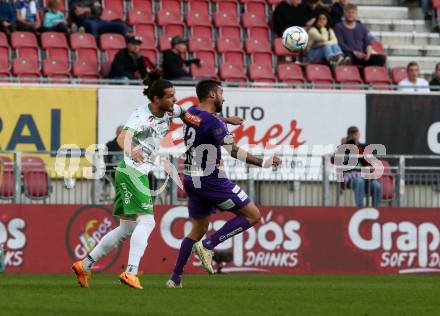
x,y
139,241
108,242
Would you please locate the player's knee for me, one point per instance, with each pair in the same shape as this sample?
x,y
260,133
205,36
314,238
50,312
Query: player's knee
x,y
254,217
146,220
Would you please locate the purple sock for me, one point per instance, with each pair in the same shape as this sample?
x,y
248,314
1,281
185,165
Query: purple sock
x,y
182,259
231,228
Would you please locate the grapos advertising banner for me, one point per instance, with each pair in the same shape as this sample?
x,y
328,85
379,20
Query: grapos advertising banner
x,y
291,123
288,240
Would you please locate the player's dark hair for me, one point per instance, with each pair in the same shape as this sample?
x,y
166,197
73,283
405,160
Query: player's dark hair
x,y
155,84
204,87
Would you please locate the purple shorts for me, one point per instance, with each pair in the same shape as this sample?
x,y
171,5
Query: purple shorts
x,y
220,193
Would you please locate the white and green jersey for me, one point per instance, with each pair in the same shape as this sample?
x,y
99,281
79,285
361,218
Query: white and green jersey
x,y
148,133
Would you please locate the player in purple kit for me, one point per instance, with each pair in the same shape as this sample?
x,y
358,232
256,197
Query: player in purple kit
x,y
206,183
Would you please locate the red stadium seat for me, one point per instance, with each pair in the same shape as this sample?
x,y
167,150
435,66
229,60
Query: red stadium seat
x,y
25,68
290,73
4,69
7,178
233,58
111,44
166,17
207,56
56,69
398,74
205,70
199,44
144,30
201,31
198,19
174,29
251,19
147,42
151,54
280,50
436,4
319,75
171,5
232,72
35,178
259,32
261,73
112,14
262,58
117,5
257,45
4,55
230,31
198,6
106,66
229,6
169,32
142,5
348,75
378,48
56,46
256,7
25,44
377,77
274,3
225,19
137,16
226,44
85,46
3,40
85,69
165,42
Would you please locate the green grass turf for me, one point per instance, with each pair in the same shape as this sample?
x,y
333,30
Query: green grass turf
x,y
224,295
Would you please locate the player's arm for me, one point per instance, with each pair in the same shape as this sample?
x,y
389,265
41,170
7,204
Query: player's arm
x,y
125,141
242,155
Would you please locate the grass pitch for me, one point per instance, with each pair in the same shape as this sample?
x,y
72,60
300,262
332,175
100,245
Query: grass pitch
x,y
224,295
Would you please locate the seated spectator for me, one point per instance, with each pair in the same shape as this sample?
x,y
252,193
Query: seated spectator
x,y
54,19
353,178
28,19
87,13
173,64
413,83
435,82
129,63
312,10
353,39
286,14
323,44
7,17
426,8
337,11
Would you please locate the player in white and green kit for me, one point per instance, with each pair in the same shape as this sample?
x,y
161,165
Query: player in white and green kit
x,y
140,140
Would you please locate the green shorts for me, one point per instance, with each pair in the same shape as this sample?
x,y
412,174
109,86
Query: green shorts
x,y
133,194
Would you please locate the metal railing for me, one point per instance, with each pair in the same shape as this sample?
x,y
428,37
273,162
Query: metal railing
x,y
302,180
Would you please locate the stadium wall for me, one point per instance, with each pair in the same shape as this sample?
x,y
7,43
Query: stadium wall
x,y
290,240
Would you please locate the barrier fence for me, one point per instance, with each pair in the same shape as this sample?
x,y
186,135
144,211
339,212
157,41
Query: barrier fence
x,y
301,180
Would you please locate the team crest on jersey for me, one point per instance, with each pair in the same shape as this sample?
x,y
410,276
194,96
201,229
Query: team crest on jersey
x,y
193,119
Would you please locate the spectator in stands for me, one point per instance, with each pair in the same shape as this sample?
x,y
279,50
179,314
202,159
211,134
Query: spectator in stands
x,y
353,38
87,13
115,154
54,19
173,64
337,11
312,10
353,178
28,19
323,44
129,63
7,17
286,14
426,8
435,82
413,83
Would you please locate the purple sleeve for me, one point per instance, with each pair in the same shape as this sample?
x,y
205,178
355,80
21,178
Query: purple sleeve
x,y
218,130
339,31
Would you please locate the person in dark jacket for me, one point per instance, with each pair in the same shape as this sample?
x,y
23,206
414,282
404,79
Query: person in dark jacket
x,y
129,63
7,17
435,82
173,63
87,13
288,13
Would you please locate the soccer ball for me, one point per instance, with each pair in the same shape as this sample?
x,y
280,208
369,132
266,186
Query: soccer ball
x,y
295,38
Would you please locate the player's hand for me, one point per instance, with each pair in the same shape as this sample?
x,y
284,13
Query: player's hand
x,y
234,120
136,155
273,161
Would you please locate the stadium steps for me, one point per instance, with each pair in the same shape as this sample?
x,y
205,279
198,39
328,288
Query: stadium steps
x,y
397,25
412,50
406,38
376,2
382,12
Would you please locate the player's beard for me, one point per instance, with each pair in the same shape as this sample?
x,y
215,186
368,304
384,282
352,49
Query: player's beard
x,y
218,105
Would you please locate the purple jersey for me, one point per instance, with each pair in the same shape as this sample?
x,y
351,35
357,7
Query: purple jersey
x,y
205,133
205,186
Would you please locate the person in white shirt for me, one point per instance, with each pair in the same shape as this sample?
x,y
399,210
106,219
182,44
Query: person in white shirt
x,y
413,83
